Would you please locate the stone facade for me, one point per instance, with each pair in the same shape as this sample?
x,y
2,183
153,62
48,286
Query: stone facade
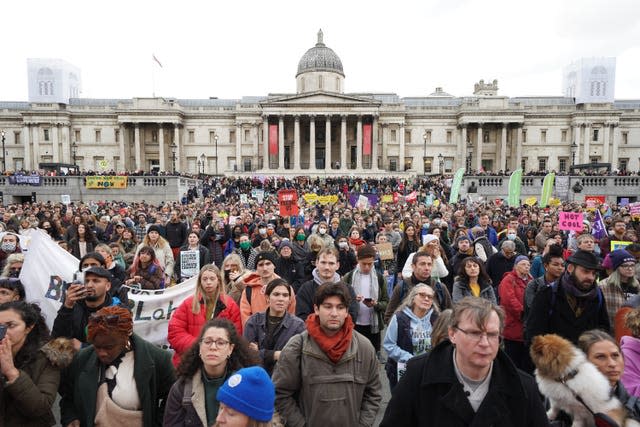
x,y
321,130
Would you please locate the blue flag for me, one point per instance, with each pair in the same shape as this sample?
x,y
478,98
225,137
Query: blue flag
x,y
599,230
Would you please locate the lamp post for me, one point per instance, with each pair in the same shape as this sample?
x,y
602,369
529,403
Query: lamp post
x,y
574,149
424,158
4,155
173,147
74,151
469,153
201,162
441,163
215,139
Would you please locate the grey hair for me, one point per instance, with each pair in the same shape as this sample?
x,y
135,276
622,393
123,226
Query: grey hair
x,y
509,244
408,300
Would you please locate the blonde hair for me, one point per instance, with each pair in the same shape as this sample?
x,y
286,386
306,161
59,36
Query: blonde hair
x,y
162,242
198,294
632,321
232,258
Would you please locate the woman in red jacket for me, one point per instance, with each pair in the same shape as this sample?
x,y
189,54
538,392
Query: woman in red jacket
x,y
208,302
511,291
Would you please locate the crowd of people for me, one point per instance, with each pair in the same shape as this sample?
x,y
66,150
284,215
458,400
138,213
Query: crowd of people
x,y
292,317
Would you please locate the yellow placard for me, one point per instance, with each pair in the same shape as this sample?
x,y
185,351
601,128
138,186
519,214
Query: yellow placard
x,y
553,202
530,201
387,198
323,200
106,182
619,244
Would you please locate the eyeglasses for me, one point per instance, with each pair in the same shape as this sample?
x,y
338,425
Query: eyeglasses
x,y
219,343
477,336
629,266
425,295
109,319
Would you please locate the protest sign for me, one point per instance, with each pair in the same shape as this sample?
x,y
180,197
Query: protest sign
x,y
288,201
189,263
570,221
65,199
385,251
619,244
634,209
104,182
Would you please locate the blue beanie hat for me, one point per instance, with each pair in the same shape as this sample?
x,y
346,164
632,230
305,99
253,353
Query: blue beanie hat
x,y
520,258
251,392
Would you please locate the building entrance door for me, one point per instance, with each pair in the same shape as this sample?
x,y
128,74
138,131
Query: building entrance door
x,y
154,165
320,153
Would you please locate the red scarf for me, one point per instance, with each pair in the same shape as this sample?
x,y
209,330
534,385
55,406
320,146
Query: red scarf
x,y
335,346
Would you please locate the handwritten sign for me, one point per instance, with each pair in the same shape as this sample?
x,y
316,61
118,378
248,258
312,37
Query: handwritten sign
x,y
634,209
570,221
189,263
385,251
619,244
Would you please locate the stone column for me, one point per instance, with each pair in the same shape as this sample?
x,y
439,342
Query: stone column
x,y
503,147
280,142
575,134
359,144
176,141
343,142
136,145
265,142
296,143
239,136
374,148
401,150
586,136
519,147
161,154
327,143
35,128
66,144
479,149
463,136
312,143
26,142
615,145
123,156
55,145
255,132
605,145
385,146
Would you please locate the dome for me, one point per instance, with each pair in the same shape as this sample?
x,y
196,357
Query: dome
x,y
320,58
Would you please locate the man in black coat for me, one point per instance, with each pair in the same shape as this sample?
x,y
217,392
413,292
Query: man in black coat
x,y
466,380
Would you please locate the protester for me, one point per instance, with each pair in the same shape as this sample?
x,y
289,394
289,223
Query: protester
x,y
470,371
269,331
192,244
630,345
621,284
233,275
120,377
13,265
472,280
209,301
216,353
330,352
11,289
146,272
30,366
162,250
83,242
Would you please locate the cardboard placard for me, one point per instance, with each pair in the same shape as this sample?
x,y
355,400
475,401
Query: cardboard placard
x,y
385,251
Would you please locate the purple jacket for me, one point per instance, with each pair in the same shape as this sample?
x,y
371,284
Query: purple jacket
x,y
631,375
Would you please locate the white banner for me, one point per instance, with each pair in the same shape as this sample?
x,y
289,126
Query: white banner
x,y
47,266
189,263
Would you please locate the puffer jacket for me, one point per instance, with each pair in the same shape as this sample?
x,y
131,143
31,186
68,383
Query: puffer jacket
x,y
347,393
511,290
29,399
185,326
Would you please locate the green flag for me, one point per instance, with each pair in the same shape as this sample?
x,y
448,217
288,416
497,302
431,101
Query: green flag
x,y
455,187
515,185
547,189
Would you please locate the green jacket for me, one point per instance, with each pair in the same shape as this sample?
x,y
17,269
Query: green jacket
x,y
383,299
153,372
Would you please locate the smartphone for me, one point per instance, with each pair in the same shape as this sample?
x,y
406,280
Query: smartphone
x,y
367,300
78,277
3,331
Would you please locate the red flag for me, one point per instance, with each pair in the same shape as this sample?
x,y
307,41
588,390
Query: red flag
x,y
412,197
366,139
273,140
396,197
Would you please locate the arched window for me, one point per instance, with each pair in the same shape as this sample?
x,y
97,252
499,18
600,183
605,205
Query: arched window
x,y
598,81
45,81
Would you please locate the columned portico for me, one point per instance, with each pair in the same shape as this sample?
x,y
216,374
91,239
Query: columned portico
x,y
312,143
343,142
479,148
296,142
161,154
586,136
359,144
327,143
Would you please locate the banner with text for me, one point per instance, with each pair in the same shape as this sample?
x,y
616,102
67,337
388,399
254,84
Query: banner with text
x,y
323,200
105,182
25,179
288,200
570,221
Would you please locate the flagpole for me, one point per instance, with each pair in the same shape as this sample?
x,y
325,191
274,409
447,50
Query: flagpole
x,y
153,78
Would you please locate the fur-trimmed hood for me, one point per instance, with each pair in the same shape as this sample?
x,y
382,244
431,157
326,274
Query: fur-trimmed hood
x,y
59,351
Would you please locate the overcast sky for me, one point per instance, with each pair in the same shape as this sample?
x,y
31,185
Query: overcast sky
x,y
242,48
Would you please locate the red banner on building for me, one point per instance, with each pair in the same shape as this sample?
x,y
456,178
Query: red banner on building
x,y
273,140
366,139
288,200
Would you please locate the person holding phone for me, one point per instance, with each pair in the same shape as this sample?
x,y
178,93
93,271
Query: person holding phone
x,y
81,299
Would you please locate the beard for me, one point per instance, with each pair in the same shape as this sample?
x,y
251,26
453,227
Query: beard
x,y
583,285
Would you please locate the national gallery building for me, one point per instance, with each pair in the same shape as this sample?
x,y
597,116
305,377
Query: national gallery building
x,y
321,130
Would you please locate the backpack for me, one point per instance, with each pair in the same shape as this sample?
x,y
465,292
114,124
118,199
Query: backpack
x,y
247,292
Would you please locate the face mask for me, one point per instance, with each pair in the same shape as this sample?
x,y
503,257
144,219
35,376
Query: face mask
x,y
425,226
322,230
511,236
237,233
343,245
262,231
300,237
8,247
245,245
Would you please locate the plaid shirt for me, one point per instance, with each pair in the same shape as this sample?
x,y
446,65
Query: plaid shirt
x,y
615,297
140,231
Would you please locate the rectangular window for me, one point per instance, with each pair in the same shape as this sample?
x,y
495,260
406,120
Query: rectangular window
x,y
18,164
16,137
46,134
407,137
542,164
523,164
563,137
524,135
247,165
212,136
154,136
623,164
448,164
392,137
98,165
449,137
98,136
192,136
117,134
563,165
76,135
427,136
596,133
595,159
543,136
625,137
232,136
393,164
247,135
428,165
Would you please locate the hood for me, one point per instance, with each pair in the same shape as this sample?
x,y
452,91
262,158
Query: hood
x,y
631,344
59,351
316,278
253,279
415,319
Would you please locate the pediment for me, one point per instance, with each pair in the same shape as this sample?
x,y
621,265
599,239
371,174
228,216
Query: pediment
x,y
321,98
